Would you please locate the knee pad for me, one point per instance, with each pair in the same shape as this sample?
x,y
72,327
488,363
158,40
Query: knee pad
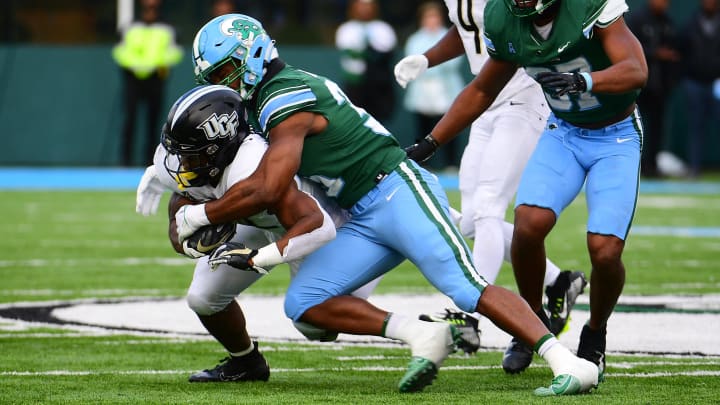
x,y
203,306
314,333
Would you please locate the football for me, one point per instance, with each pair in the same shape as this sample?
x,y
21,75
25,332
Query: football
x,y
207,238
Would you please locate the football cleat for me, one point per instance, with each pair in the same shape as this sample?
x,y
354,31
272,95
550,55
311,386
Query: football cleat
x,y
561,297
466,324
592,348
250,367
517,357
429,349
579,378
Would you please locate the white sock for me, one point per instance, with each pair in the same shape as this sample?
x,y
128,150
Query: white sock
x,y
552,271
559,358
397,326
243,352
422,337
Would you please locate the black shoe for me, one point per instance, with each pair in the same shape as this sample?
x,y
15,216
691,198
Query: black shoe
x,y
467,325
517,357
250,367
561,298
592,348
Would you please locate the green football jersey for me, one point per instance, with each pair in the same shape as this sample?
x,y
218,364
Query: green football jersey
x,y
570,47
354,149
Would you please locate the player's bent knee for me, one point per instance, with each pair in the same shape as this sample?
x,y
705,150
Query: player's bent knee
x,y
202,306
314,333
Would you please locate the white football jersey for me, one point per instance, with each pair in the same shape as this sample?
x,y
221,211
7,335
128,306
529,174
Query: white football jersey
x,y
467,15
246,160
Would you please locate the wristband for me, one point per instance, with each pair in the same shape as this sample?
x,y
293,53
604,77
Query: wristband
x,y
268,256
432,141
588,81
196,216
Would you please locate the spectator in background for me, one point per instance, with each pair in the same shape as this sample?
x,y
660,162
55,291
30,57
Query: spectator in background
x,y
656,32
367,44
220,7
145,55
430,95
701,56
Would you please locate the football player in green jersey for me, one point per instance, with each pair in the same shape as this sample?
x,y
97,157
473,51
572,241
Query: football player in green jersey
x,y
591,68
397,210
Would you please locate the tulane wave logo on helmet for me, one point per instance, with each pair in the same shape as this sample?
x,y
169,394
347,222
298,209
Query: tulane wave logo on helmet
x,y
245,29
234,39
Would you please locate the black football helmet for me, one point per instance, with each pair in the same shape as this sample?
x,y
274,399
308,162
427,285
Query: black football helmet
x,y
202,134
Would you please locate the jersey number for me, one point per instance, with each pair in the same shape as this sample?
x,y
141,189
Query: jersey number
x,y
568,102
467,22
333,186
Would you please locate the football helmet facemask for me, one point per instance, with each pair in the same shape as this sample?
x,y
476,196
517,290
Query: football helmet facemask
x,y
528,8
202,134
232,50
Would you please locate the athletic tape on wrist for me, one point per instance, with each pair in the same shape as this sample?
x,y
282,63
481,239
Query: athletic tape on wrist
x,y
196,215
268,256
588,80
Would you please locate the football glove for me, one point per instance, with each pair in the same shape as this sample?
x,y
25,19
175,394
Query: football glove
x,y
188,219
409,68
206,239
423,150
559,84
235,254
149,192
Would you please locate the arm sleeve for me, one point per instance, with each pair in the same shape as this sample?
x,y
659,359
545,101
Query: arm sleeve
x,y
301,245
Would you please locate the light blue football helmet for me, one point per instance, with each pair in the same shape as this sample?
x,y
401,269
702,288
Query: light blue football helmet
x,y
237,39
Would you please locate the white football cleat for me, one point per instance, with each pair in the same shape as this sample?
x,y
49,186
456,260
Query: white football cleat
x,y
578,378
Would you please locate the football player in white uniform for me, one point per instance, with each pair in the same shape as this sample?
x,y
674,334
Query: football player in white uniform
x,y
206,148
499,146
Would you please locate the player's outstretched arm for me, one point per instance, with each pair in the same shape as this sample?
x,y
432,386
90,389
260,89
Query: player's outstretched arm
x,y
450,46
629,68
475,98
411,67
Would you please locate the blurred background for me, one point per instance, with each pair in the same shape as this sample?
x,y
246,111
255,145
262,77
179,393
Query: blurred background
x,y
61,91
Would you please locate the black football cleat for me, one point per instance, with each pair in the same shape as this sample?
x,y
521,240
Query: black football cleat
x,y
250,367
561,297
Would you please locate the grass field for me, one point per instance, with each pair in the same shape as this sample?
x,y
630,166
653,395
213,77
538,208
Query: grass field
x,y
71,245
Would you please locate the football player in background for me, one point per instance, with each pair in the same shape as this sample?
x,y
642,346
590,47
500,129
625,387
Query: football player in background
x,y
591,68
398,210
500,143
207,147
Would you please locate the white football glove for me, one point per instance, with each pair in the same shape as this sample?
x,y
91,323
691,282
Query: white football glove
x,y
190,218
409,68
149,192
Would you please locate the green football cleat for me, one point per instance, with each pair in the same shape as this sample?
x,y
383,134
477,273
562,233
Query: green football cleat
x,y
421,373
563,384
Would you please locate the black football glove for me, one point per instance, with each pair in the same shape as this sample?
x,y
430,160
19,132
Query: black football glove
x,y
207,238
423,150
559,84
236,255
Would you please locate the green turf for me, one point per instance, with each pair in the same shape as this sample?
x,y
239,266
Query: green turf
x,y
67,245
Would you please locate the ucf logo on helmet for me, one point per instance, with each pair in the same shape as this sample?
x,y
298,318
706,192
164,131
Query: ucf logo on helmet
x,y
223,126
